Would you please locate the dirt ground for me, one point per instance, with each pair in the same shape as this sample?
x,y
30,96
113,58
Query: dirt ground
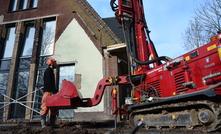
x,y
61,130
86,128
48,130
82,130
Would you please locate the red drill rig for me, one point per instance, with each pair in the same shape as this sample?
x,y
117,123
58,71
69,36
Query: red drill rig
x,y
167,93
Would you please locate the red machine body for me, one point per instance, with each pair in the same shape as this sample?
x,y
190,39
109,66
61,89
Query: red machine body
x,y
69,97
187,86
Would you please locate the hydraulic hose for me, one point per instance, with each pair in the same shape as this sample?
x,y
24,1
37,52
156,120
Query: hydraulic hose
x,y
158,59
113,5
138,126
164,58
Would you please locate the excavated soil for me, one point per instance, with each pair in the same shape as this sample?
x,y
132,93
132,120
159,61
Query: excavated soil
x,y
82,130
88,128
48,130
61,130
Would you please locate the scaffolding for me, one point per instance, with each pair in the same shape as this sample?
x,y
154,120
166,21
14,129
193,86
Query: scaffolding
x,y
36,103
35,108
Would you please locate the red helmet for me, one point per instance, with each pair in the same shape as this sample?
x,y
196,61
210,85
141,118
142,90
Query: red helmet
x,y
49,61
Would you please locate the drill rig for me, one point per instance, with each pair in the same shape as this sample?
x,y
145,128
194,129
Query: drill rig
x,y
184,92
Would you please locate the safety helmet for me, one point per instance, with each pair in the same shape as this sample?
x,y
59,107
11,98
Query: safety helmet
x,y
49,61
219,36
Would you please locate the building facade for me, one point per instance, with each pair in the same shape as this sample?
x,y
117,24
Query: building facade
x,y
31,31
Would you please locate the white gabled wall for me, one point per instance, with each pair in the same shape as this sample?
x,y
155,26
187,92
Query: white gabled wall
x,y
75,45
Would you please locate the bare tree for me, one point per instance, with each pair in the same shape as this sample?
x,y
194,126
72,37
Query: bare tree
x,y
48,41
204,25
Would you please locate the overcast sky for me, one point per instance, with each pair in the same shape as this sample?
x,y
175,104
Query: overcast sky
x,y
166,19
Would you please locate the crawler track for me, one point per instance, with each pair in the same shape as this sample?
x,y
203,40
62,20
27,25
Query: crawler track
x,y
179,116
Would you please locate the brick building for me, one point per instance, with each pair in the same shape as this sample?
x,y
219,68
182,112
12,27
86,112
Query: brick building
x,y
31,31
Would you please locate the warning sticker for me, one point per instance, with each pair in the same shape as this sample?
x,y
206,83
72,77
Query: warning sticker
x,y
187,58
211,47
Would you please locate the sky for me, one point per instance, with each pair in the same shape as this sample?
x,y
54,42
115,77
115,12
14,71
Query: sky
x,y
166,19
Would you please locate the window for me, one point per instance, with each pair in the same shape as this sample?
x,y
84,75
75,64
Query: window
x,y
9,42
22,75
16,5
8,48
3,81
21,89
34,4
46,52
47,44
27,46
23,4
28,41
68,73
39,93
13,5
3,87
5,60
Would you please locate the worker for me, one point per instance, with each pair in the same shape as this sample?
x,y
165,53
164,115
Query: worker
x,y
49,89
